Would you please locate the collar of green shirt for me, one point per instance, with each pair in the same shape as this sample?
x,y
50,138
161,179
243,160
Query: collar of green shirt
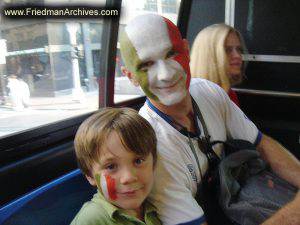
x,y
113,211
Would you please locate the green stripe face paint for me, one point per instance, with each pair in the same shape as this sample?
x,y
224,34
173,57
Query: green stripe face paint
x,y
132,61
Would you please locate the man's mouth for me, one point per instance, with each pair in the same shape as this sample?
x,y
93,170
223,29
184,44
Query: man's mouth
x,y
170,86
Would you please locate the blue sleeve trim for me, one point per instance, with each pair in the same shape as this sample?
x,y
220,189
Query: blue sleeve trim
x,y
170,121
197,221
258,138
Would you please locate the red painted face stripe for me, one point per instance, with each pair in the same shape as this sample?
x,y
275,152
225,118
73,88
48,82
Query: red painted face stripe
x,y
178,45
111,187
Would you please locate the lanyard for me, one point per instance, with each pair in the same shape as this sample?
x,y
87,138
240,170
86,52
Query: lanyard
x,y
203,142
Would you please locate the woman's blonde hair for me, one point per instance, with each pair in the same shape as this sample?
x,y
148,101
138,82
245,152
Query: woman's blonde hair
x,y
208,55
135,132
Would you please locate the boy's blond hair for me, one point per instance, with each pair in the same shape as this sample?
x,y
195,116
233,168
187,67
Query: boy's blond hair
x,y
135,133
208,55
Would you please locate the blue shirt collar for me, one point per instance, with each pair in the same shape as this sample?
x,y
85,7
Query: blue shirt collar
x,y
170,121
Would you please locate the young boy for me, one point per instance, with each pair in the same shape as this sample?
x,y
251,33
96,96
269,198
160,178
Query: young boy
x,y
116,151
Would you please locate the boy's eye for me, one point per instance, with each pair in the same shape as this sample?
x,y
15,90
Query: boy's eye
x,y
110,167
171,53
139,161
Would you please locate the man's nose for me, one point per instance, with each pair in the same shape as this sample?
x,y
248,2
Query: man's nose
x,y
128,175
164,71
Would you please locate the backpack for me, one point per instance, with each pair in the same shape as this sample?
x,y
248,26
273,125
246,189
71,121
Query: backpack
x,y
249,192
240,188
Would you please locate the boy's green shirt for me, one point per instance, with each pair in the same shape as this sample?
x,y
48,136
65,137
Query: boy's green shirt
x,y
100,212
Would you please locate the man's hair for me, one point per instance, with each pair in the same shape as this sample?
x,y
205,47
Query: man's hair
x,y
135,133
208,55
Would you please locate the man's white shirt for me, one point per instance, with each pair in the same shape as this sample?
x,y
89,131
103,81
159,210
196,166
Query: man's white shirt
x,y
176,172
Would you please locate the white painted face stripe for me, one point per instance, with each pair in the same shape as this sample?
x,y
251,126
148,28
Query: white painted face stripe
x,y
104,186
148,38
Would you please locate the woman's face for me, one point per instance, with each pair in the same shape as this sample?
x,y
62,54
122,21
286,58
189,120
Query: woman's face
x,y
234,56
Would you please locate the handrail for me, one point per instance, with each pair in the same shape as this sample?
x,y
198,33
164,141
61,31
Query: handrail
x,y
267,93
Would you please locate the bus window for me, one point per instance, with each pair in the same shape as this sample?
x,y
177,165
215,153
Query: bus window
x,y
50,71
124,89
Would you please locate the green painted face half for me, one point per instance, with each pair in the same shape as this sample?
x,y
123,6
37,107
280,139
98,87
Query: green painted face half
x,y
132,61
98,182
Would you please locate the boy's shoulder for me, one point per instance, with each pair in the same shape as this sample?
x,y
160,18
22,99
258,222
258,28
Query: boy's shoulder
x,y
98,211
93,212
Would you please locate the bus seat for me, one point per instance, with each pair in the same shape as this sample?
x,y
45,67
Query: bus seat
x,y
57,202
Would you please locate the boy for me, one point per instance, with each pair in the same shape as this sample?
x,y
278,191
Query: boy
x,y
116,151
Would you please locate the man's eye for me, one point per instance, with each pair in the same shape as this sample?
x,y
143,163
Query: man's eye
x,y
171,53
145,66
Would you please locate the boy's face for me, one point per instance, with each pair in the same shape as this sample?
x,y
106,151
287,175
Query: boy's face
x,y
158,59
124,178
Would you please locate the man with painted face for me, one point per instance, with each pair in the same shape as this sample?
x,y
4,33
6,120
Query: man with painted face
x,y
157,59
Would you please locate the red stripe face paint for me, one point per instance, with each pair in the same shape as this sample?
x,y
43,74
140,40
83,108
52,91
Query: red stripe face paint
x,y
111,187
108,187
178,45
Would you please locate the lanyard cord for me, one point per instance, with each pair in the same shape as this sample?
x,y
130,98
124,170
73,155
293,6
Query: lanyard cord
x,y
194,153
202,142
200,117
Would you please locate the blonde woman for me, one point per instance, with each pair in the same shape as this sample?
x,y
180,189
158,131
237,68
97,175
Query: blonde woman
x,y
217,56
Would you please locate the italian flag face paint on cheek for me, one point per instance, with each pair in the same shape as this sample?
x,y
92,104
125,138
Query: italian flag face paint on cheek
x,y
107,185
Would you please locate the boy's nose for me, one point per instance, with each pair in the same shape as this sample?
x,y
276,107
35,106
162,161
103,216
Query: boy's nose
x,y
128,176
164,71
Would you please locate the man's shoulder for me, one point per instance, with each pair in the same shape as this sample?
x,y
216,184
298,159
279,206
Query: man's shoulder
x,y
206,91
148,114
197,83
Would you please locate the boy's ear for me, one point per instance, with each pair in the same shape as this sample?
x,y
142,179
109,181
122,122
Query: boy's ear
x,y
130,76
91,180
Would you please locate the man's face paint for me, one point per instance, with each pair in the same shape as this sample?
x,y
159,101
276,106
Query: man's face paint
x,y
154,52
107,185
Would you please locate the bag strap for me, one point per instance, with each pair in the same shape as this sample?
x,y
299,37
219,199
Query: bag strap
x,y
204,143
200,117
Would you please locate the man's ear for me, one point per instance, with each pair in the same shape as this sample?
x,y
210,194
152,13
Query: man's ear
x,y
91,180
186,47
130,76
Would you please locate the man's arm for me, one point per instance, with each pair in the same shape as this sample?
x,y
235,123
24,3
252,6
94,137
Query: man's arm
x,y
282,162
288,215
285,165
